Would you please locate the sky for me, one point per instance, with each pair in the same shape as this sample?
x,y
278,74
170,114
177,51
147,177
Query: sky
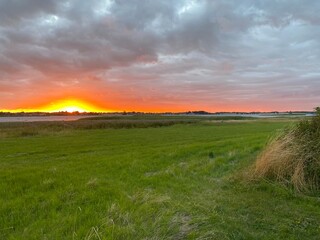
x,y
160,55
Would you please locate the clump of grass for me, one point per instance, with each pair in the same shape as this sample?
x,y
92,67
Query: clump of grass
x,y
29,133
211,155
293,156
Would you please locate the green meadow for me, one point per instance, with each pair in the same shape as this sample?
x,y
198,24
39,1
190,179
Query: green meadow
x,y
145,179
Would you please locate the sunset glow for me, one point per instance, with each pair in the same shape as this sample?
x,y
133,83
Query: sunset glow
x,y
66,105
71,105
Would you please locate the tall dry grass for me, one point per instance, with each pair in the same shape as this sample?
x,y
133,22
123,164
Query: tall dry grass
x,y
293,156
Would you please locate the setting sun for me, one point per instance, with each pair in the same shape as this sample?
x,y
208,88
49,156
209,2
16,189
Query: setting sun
x,y
64,105
71,105
72,109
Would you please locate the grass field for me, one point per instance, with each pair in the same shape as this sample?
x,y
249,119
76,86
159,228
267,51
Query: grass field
x,y
165,181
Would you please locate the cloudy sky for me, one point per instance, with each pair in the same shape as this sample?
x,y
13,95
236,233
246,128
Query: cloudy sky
x,y
161,55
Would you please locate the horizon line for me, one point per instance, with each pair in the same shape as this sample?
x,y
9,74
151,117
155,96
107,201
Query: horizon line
x,y
146,112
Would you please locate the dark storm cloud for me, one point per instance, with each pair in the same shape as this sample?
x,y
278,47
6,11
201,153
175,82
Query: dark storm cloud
x,y
197,51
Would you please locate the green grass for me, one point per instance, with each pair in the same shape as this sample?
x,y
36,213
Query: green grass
x,y
175,182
